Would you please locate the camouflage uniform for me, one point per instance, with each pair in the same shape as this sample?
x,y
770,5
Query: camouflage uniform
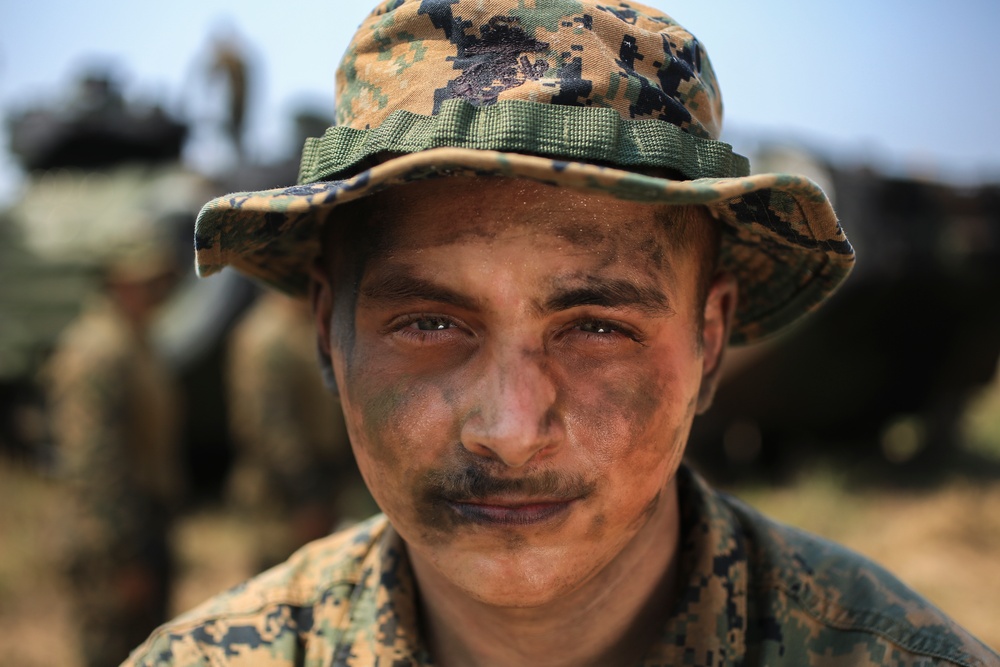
x,y
115,423
294,475
751,592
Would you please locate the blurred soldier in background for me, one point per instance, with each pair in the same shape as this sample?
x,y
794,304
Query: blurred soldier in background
x,y
229,63
294,474
114,421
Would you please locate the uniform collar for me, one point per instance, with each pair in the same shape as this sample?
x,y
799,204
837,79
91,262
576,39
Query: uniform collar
x,y
383,626
712,588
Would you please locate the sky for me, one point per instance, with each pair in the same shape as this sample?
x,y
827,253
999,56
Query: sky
x,y
909,87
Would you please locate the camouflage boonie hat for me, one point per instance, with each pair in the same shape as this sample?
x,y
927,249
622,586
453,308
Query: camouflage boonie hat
x,y
612,97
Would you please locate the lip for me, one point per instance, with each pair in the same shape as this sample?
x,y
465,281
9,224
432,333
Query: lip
x,y
510,513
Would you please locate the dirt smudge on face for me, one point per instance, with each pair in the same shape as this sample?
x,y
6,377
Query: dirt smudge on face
x,y
618,409
582,236
654,251
644,250
597,527
380,411
437,492
514,540
351,240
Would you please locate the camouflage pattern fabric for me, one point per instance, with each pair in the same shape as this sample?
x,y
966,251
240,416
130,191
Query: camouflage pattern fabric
x,y
609,97
294,475
751,592
114,419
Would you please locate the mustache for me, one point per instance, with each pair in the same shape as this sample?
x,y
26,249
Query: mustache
x,y
476,483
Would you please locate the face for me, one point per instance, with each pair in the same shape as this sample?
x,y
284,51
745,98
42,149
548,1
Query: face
x,y
519,367
139,299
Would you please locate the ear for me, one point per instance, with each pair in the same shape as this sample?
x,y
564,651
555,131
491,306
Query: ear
x,y
719,309
321,300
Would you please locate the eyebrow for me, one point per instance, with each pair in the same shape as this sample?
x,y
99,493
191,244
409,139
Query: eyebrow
x,y
401,287
610,293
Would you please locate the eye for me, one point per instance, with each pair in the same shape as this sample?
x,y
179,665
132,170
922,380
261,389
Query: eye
x,y
602,332
431,324
597,327
426,329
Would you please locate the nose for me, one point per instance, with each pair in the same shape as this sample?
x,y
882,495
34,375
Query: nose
x,y
514,417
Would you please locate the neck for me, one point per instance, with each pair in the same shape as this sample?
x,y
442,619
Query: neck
x,y
610,620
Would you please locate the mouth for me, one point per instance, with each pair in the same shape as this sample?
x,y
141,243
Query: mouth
x,y
474,496
510,513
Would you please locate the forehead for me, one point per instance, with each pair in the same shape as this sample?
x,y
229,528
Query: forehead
x,y
455,210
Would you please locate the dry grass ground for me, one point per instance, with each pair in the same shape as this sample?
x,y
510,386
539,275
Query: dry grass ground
x,y
36,628
944,542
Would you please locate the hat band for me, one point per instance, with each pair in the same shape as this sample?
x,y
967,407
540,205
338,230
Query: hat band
x,y
587,134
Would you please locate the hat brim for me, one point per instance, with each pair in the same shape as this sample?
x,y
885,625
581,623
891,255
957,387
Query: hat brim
x,y
781,238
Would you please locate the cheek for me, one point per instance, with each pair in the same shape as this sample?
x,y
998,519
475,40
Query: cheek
x,y
397,422
635,410
632,421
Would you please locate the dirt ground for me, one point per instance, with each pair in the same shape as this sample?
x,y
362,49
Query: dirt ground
x,y
944,542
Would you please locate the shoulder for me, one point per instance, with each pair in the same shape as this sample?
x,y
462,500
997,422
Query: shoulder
x,y
817,598
99,326
272,335
287,613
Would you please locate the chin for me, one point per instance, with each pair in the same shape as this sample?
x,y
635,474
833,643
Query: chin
x,y
519,594
518,581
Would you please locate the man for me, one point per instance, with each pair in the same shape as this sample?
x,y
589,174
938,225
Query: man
x,y
115,414
526,252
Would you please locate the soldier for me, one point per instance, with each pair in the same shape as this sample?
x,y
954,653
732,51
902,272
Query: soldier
x,y
526,252
229,62
115,422
294,476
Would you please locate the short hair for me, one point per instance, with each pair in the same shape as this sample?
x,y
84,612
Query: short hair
x,y
694,229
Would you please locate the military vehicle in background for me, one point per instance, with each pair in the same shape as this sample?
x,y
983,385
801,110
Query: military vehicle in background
x,y
43,276
99,171
102,173
95,129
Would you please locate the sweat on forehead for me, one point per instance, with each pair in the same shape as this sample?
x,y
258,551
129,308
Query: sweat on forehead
x,y
359,230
